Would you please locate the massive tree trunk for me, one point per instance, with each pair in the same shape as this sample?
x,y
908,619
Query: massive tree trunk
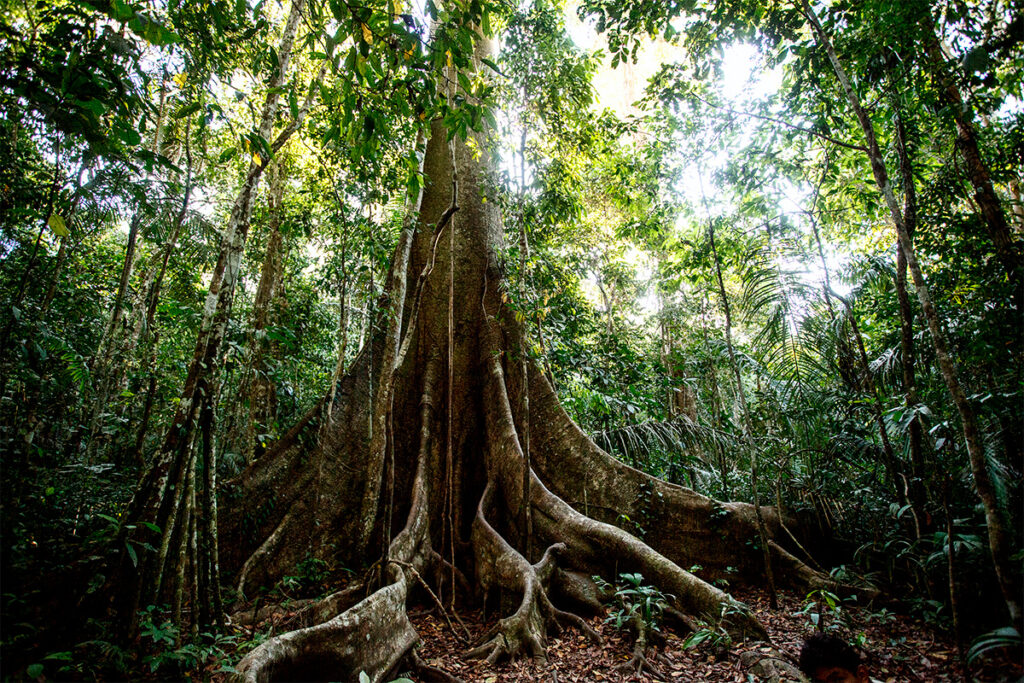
x,y
418,471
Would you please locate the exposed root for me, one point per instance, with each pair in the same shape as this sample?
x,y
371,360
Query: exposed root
x,y
639,662
593,542
501,566
336,648
569,495
465,636
579,590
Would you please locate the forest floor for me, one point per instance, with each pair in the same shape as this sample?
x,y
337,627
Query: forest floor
x,y
896,649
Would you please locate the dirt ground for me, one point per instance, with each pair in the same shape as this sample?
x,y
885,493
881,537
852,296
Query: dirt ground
x,y
896,649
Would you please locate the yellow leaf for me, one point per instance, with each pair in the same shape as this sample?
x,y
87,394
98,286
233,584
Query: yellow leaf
x,y
60,229
449,57
396,5
367,34
256,159
180,79
408,54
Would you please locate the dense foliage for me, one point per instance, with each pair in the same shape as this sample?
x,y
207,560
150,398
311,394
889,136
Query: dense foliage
x,y
709,274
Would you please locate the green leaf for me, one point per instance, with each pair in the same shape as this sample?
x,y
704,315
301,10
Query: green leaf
x,y
93,105
34,670
187,110
363,677
131,553
129,136
60,229
976,60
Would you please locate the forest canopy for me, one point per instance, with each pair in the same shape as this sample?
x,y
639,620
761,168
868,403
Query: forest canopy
x,y
315,315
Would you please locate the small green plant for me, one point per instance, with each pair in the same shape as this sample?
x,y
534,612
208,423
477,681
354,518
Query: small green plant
x,y
168,655
365,678
61,662
634,600
823,609
308,578
723,582
713,633
882,616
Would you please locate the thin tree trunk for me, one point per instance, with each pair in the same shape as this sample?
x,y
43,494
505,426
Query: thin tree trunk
x,y
146,324
747,424
891,463
112,331
954,595
255,400
1007,249
844,354
208,548
918,488
999,539
716,403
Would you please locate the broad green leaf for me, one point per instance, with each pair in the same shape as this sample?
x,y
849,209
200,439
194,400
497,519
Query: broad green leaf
x,y
60,229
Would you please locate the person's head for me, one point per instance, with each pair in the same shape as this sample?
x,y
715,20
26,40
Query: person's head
x,y
827,659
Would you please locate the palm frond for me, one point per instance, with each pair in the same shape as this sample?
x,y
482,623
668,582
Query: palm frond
x,y
641,441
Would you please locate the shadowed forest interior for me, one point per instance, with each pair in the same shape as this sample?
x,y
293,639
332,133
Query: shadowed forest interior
x,y
471,340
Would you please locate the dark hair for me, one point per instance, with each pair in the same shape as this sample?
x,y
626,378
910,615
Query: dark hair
x,y
823,651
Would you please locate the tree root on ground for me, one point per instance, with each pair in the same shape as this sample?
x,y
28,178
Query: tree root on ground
x,y
340,644
502,567
640,661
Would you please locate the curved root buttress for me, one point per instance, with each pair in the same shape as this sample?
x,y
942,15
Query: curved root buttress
x,y
418,470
